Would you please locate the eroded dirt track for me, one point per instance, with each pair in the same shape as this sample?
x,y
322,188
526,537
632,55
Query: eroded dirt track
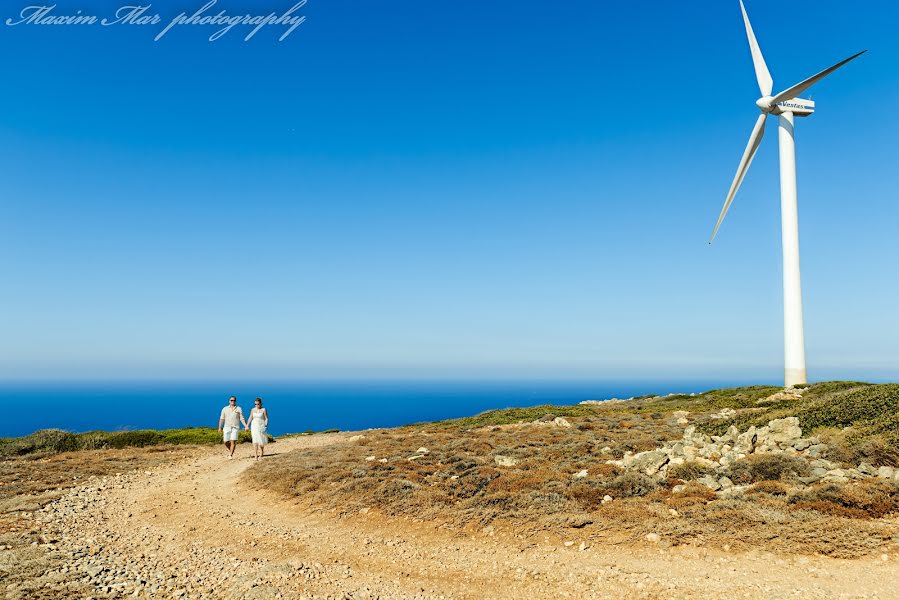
x,y
191,530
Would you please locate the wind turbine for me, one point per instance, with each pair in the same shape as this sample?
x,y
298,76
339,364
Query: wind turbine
x,y
785,105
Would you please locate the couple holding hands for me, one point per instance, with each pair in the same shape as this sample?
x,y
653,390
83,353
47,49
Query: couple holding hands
x,y
231,419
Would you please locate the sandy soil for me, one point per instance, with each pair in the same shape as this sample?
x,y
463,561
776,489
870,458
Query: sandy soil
x,y
189,530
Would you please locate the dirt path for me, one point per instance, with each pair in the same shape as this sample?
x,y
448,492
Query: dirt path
x,y
189,530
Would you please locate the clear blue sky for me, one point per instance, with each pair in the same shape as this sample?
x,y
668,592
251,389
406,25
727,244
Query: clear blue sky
x,y
443,189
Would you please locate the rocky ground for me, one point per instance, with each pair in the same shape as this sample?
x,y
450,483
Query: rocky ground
x,y
714,456
189,529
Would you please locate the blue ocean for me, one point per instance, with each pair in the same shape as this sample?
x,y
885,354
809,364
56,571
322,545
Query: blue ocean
x,y
293,406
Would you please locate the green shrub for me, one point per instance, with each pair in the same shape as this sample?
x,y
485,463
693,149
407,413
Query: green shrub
x,y
53,441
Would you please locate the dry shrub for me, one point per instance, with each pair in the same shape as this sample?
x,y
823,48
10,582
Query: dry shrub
x,y
516,482
772,488
693,494
630,484
767,467
869,498
829,508
605,470
689,471
878,452
586,495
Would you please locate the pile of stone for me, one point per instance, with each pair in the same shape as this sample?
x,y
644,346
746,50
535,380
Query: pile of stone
x,y
717,453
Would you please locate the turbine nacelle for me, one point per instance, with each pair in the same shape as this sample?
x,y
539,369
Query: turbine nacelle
x,y
798,106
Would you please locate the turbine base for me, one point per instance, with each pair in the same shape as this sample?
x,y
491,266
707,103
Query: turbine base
x,y
794,377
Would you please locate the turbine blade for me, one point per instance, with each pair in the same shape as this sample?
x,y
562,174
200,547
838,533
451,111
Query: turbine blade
x,y
761,69
804,85
754,140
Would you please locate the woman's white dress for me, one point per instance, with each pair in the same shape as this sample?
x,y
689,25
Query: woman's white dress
x,y
258,426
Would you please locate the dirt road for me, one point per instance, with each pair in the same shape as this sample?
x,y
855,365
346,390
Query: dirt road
x,y
190,530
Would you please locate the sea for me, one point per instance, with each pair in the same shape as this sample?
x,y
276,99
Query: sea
x,y
294,406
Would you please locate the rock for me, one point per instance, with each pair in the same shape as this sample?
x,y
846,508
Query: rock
x,y
370,458
886,472
649,462
606,450
382,460
835,476
422,450
606,499
355,438
653,537
726,413
802,444
583,546
682,421
867,469
415,457
816,450
678,488
580,474
818,472
732,492
710,482
505,461
546,419
725,482
785,431
786,395
569,544
561,422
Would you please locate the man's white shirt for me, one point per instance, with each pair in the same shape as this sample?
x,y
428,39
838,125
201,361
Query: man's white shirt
x,y
231,416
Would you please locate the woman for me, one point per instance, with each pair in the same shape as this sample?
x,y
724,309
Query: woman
x,y
258,424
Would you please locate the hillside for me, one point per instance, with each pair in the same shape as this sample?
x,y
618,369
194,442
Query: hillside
x,y
587,472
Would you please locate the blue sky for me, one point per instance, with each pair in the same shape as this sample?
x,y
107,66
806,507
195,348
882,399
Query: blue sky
x,y
464,189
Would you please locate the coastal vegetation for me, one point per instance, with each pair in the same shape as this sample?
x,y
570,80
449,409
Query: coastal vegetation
x,y
52,441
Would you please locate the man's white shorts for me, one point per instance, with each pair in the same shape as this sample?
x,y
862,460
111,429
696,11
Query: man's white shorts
x,y
231,433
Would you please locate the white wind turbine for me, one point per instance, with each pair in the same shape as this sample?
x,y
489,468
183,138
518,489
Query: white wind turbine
x,y
785,105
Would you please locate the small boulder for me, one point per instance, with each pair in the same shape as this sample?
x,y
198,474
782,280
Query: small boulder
x,y
867,469
710,482
649,462
816,450
505,461
886,472
582,474
561,422
785,431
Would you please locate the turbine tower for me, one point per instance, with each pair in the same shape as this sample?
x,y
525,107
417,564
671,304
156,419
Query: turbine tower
x,y
786,105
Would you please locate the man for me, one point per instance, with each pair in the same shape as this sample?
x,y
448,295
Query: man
x,y
230,420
